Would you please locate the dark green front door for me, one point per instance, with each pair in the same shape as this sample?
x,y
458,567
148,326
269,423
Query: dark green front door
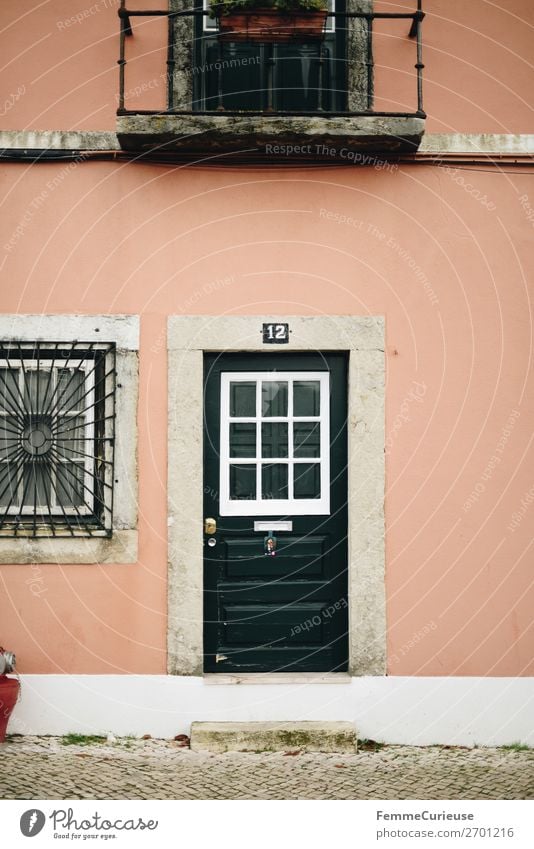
x,y
275,461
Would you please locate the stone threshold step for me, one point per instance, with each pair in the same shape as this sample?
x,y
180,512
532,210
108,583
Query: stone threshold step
x,y
219,737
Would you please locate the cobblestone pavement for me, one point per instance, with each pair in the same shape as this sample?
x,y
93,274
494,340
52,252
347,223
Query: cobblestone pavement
x,y
44,768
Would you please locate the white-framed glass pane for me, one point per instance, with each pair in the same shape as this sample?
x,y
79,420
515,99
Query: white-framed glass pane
x,y
209,23
307,439
70,490
70,437
307,480
35,386
242,481
8,484
9,436
306,398
9,389
274,398
70,389
36,485
274,481
242,439
243,399
274,439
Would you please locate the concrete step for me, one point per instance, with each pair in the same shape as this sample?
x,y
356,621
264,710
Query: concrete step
x,y
218,737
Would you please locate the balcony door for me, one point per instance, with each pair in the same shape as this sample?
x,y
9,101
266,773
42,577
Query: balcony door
x,y
295,77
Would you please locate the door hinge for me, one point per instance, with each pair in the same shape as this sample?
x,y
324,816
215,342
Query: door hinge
x,y
220,657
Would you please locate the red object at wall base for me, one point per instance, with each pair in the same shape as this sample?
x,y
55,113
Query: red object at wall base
x,y
9,693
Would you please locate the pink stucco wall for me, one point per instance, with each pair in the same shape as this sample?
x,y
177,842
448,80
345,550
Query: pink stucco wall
x,y
60,68
452,273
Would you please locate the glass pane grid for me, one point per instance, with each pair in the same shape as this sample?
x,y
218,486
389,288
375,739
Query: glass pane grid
x,y
275,455
56,438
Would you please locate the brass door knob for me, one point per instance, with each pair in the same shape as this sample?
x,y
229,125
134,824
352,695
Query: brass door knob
x,y
210,526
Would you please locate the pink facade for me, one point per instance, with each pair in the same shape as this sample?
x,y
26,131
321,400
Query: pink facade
x,y
444,252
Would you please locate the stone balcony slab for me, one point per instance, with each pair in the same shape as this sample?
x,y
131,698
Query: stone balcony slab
x,y
272,138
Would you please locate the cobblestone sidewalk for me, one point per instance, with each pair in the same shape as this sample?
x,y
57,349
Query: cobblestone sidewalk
x,y
44,768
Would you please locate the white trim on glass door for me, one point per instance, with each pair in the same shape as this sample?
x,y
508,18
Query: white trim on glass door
x,y
259,505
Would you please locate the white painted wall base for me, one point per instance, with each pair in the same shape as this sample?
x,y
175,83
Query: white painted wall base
x,y
418,711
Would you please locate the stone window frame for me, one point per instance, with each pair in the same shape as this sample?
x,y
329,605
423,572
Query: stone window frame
x,y
357,70
363,338
122,545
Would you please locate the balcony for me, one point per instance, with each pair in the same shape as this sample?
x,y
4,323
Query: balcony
x,y
350,95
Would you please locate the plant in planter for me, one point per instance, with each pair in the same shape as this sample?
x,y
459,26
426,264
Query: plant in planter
x,y
9,690
272,21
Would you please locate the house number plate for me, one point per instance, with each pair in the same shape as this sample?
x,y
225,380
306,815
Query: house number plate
x,y
275,334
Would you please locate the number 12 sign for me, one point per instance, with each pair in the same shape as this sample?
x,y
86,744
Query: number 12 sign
x,y
275,334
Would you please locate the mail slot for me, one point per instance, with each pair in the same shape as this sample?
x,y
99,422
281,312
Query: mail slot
x,y
273,526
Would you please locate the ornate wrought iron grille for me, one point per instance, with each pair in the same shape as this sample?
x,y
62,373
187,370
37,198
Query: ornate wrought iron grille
x,y
57,417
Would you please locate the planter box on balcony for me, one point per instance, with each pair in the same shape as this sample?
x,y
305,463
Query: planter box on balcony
x,y
270,25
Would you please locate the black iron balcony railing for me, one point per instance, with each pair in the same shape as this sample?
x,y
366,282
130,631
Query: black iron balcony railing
x,y
336,76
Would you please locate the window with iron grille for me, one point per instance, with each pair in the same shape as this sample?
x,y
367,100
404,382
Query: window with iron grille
x,y
57,416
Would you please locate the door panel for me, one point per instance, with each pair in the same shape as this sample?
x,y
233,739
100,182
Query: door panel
x,y
295,558
279,419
